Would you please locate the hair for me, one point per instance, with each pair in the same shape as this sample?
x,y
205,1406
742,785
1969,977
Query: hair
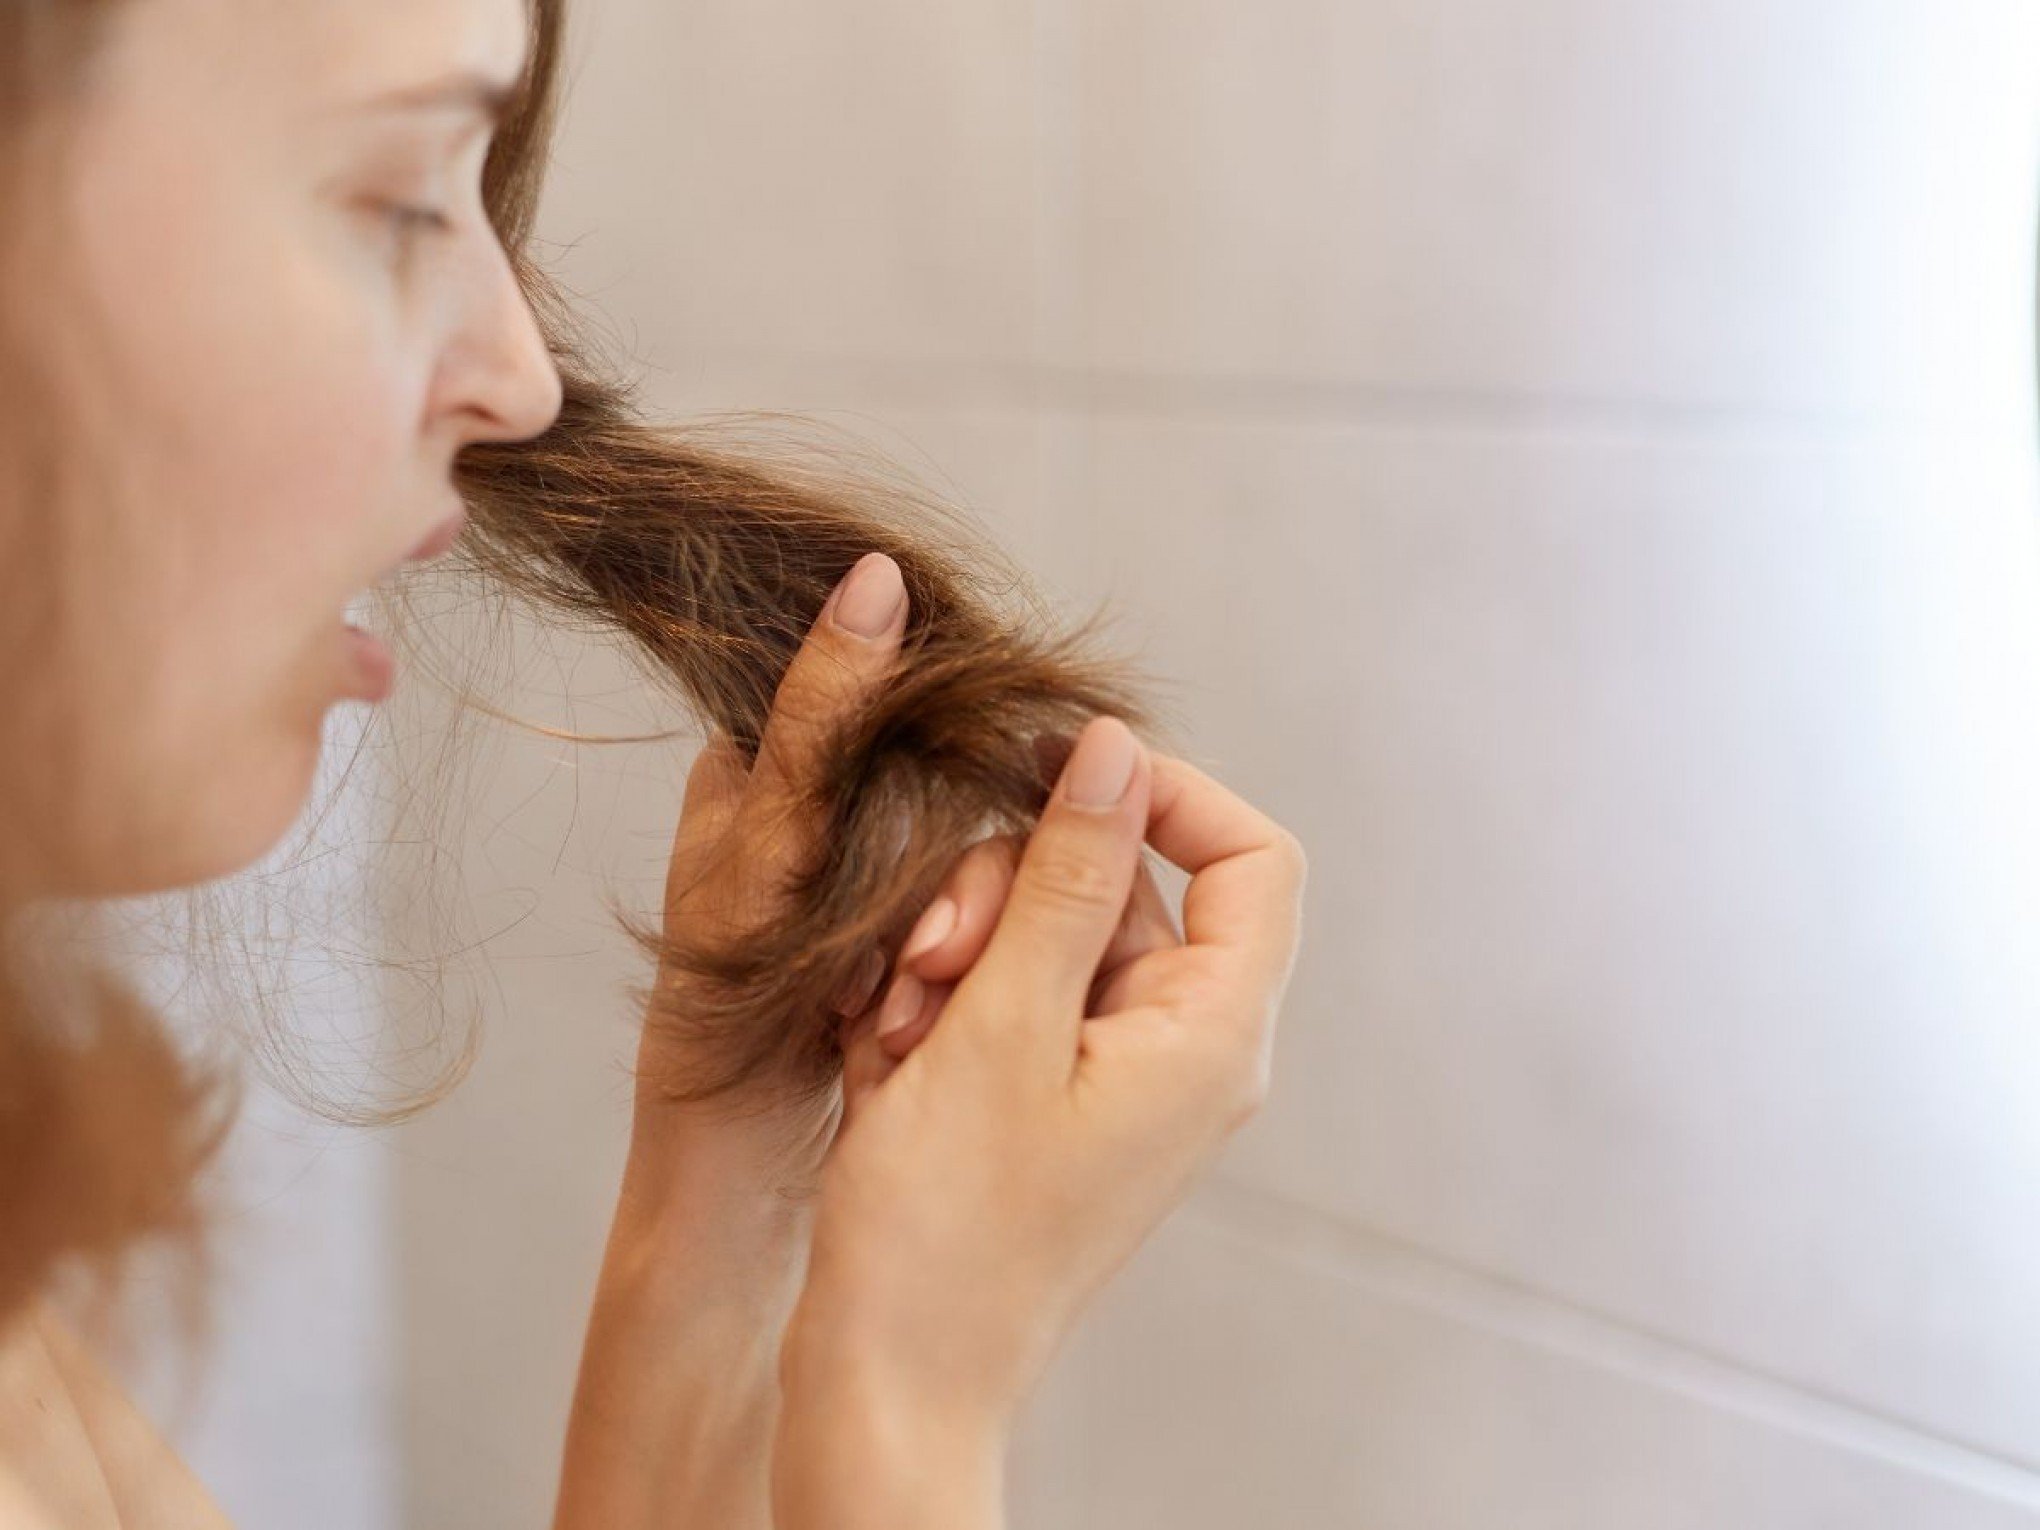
x,y
710,551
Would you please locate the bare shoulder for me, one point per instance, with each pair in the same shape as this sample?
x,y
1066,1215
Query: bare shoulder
x,y
49,1472
21,1508
75,1453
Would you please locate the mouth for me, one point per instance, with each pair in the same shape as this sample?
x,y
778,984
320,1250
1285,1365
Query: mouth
x,y
371,669
437,542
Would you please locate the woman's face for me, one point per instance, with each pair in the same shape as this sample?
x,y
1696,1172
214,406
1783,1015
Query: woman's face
x,y
298,314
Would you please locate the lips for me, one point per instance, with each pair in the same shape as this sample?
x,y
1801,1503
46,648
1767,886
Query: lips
x,y
440,539
371,670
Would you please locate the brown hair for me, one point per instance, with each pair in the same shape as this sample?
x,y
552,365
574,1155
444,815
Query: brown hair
x,y
711,552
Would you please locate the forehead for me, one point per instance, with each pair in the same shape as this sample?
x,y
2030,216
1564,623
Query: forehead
x,y
366,45
319,52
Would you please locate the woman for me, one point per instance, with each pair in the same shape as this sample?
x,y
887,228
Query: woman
x,y
235,401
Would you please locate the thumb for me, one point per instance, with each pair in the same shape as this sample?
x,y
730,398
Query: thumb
x,y
1069,895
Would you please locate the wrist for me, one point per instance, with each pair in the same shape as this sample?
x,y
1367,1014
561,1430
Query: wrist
x,y
698,1180
674,1407
678,1390
857,1445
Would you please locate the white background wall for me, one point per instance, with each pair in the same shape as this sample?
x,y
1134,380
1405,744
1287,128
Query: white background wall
x,y
1577,463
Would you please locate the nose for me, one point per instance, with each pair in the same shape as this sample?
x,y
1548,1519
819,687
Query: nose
x,y
497,372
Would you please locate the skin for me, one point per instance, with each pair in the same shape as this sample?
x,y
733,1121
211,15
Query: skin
x,y
705,1259
294,345
1043,1127
351,348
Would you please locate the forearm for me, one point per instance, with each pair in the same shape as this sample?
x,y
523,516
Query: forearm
x,y
678,1395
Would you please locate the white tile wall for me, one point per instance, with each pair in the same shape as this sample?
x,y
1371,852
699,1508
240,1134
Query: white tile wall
x,y
1231,1378
1676,947
792,178
1713,205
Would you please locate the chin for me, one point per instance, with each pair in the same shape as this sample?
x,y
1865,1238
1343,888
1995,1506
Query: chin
x,y
239,819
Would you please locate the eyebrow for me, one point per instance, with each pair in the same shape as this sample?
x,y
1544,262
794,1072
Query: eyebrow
x,y
468,91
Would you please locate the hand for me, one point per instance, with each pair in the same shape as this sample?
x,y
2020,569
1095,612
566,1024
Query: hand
x,y
675,1408
947,941
741,838
1026,1146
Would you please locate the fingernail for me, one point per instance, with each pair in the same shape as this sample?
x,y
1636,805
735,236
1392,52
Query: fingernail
x,y
902,1003
871,596
1101,770
931,929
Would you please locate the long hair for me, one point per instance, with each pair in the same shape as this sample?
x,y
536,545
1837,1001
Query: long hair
x,y
711,551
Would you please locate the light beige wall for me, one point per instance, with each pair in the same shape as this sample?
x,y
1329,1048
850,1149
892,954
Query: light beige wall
x,y
1576,461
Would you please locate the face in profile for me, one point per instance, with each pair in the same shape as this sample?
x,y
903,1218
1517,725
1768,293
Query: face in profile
x,y
291,314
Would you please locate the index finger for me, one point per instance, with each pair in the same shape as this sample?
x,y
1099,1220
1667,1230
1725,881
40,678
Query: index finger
x,y
1246,871
847,655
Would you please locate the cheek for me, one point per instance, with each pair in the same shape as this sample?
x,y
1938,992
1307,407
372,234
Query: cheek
x,y
276,524
266,383
262,394
291,455
302,422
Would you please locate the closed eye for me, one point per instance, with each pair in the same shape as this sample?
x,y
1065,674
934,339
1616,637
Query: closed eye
x,y
411,220
409,225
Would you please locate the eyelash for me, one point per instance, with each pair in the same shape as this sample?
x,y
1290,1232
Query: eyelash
x,y
413,223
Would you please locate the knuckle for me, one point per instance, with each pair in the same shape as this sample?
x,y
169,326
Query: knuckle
x,y
1241,1082
1200,994
1227,1077
1064,877
1201,990
802,704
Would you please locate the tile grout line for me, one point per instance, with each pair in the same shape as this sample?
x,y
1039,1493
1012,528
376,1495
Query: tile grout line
x,y
1416,1276
1041,385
